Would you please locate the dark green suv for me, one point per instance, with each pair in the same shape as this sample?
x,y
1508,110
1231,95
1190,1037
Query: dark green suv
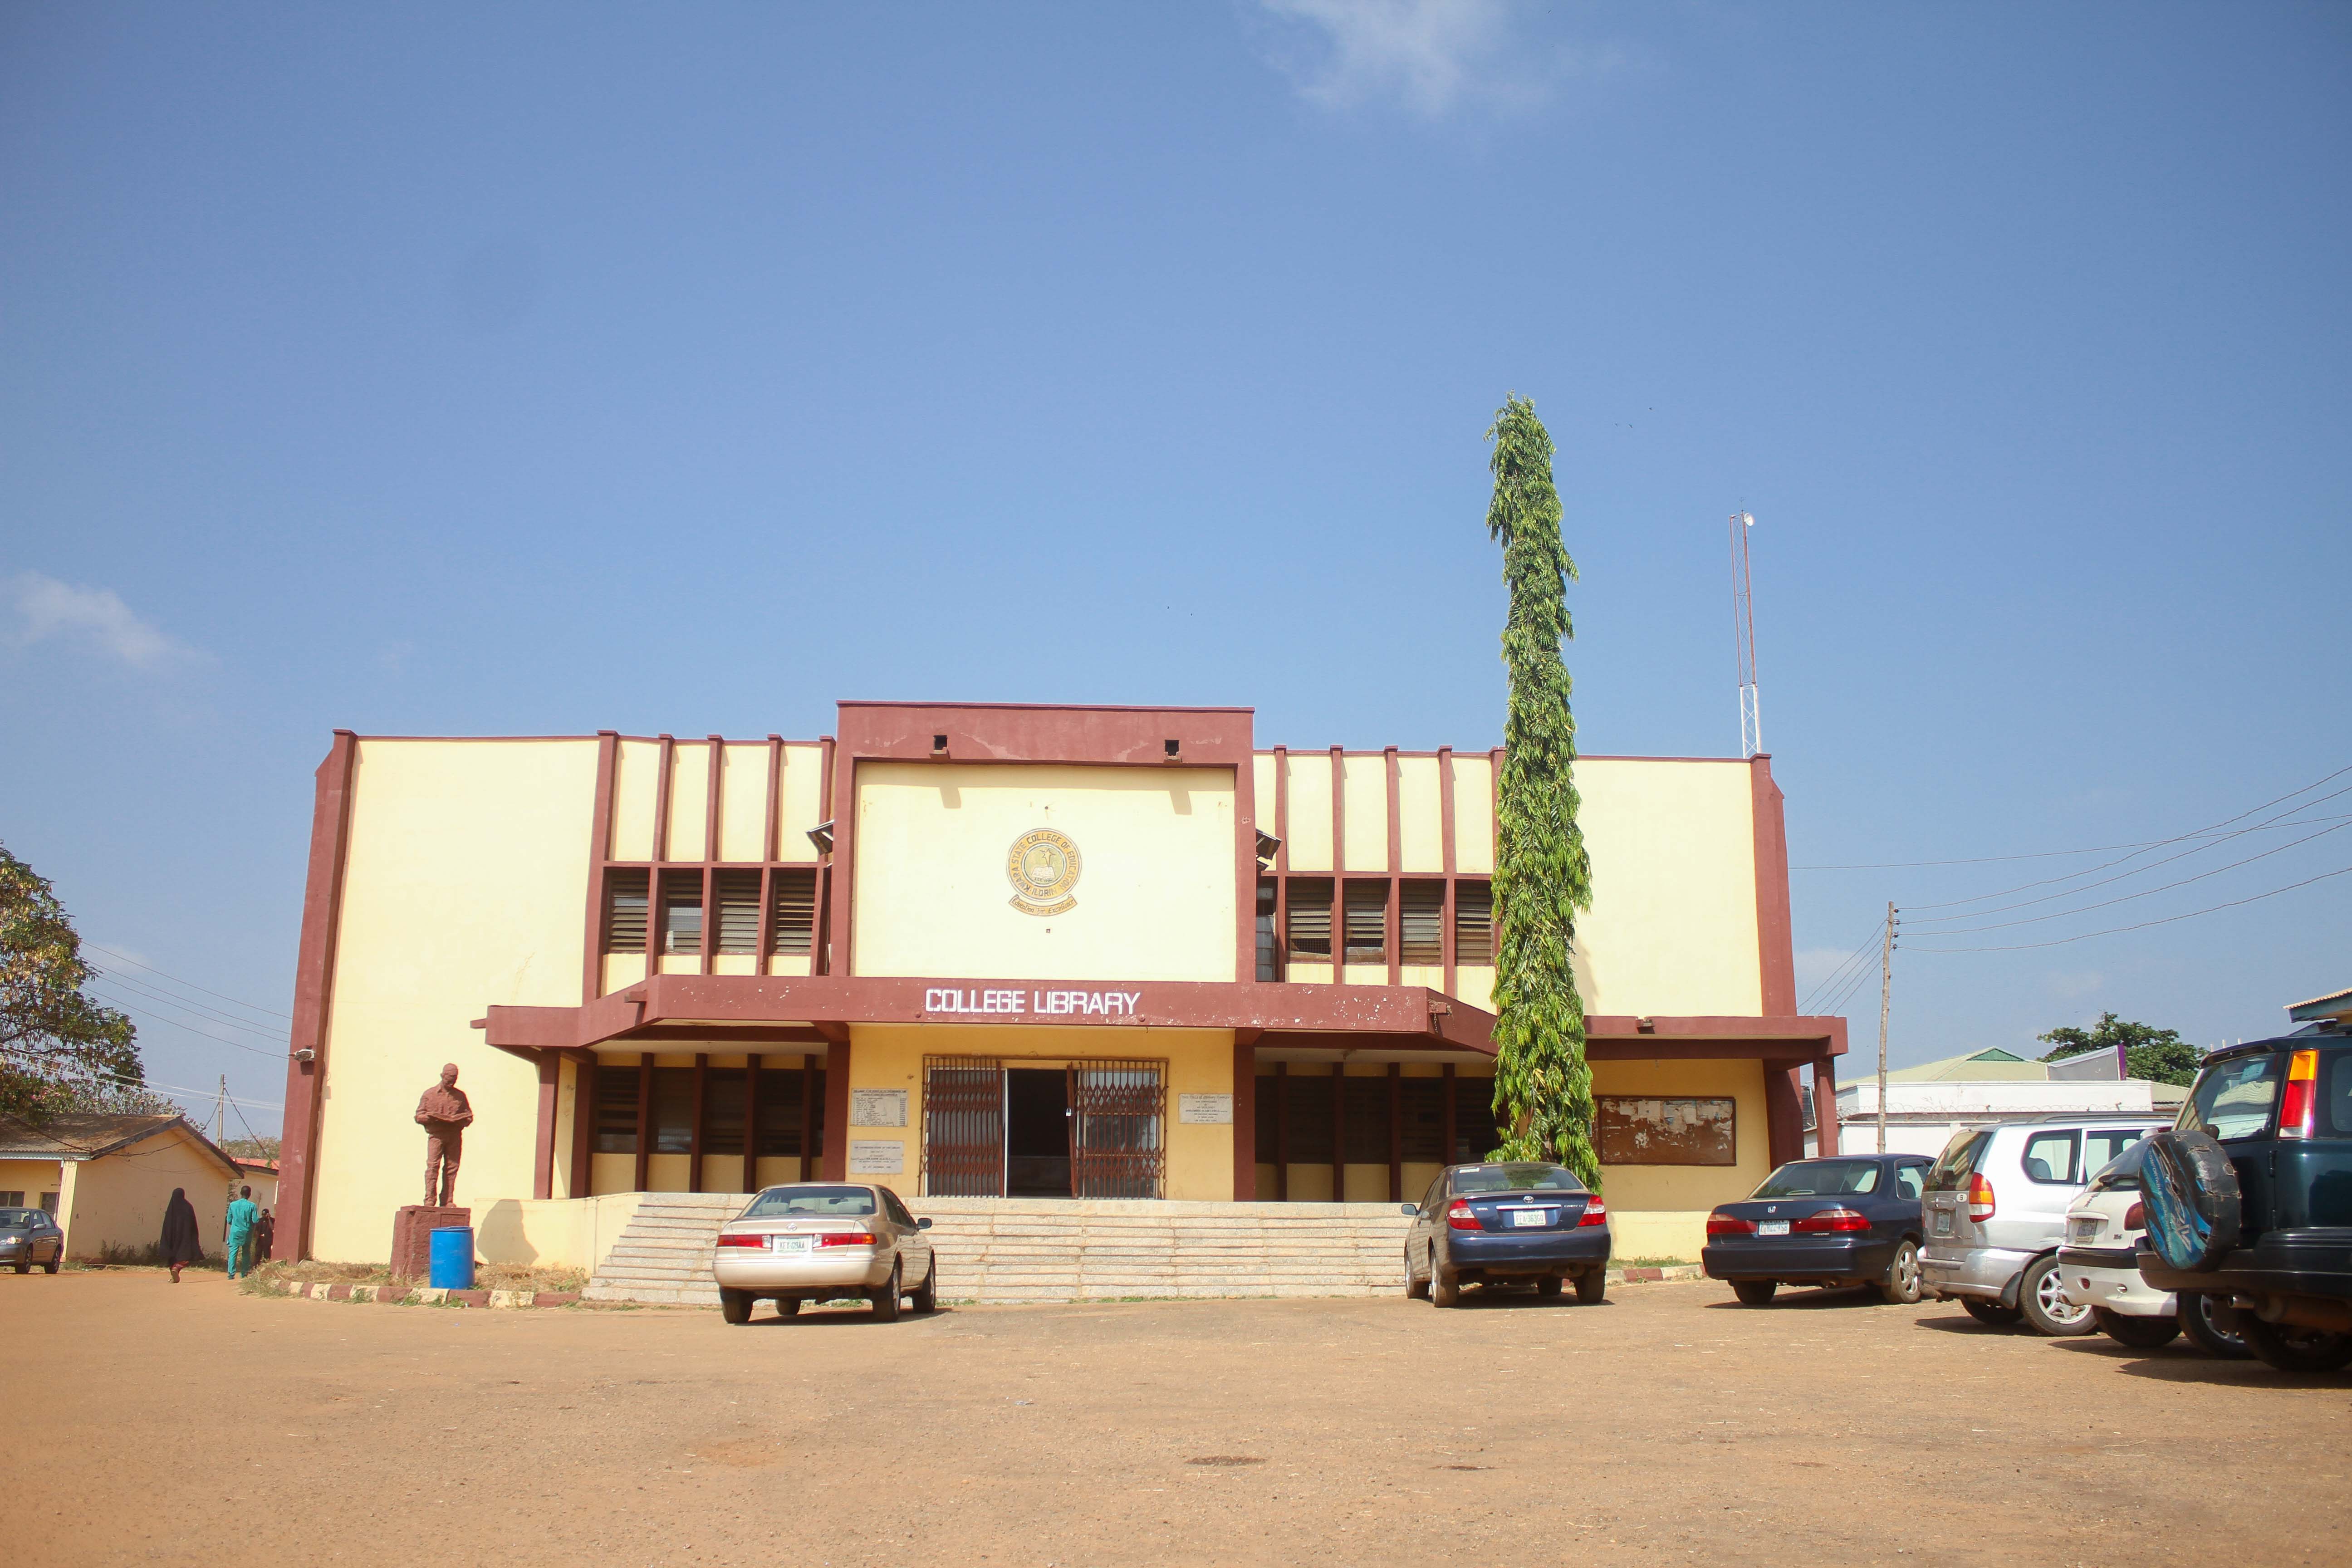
x,y
2250,1196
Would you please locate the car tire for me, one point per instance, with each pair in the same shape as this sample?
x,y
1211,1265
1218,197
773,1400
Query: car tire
x,y
886,1300
927,1294
2284,1347
1550,1284
1414,1289
1901,1285
2190,1190
735,1306
1992,1314
1591,1287
51,1266
788,1306
2198,1324
2038,1298
2140,1333
1755,1292
1445,1289
26,1267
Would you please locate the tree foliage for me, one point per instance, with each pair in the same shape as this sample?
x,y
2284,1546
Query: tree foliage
x,y
1543,1087
60,1049
2159,1054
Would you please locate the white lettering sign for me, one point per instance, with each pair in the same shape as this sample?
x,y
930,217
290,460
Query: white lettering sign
x,y
1205,1110
877,1157
877,1107
1018,1002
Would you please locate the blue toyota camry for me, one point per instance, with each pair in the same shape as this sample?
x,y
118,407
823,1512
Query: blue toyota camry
x,y
1840,1220
1523,1224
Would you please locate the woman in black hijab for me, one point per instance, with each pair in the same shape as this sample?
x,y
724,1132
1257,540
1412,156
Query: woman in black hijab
x,y
179,1245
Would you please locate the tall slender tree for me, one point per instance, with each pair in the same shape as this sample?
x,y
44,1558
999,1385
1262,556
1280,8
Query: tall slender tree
x,y
1543,1089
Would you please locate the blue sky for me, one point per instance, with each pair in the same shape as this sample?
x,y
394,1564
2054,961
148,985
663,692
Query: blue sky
x,y
559,368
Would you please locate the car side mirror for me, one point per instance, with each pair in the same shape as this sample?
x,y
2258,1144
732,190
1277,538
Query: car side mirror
x,y
1413,1209
922,1225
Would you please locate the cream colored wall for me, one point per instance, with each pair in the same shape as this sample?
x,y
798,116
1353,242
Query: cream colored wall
x,y
690,798
1690,1188
32,1177
552,1233
1307,809
636,779
1421,815
119,1200
1367,817
800,800
743,802
1200,1061
466,874
1474,813
1673,924
1155,893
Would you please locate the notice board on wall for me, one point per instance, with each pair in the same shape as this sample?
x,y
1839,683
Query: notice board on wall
x,y
1639,1131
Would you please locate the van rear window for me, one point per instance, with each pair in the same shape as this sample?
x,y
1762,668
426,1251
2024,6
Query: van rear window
x,y
1957,1159
2234,1099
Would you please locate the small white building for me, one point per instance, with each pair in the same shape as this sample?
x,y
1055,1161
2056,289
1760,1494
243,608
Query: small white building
x,y
1927,1103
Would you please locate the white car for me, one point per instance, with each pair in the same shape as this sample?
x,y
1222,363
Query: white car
x,y
819,1241
2098,1270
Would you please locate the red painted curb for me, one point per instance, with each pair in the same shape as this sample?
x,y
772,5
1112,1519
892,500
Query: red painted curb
x,y
1643,1276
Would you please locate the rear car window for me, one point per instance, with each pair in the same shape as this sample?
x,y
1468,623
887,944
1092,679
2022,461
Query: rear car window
x,y
2335,1093
1958,1159
2101,1145
1820,1178
1906,1180
778,1201
2048,1157
1516,1179
2234,1099
2121,1175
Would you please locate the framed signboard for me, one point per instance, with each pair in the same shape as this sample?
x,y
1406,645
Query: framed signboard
x,y
1642,1130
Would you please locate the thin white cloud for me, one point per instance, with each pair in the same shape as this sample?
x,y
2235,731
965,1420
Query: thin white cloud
x,y
94,618
1432,56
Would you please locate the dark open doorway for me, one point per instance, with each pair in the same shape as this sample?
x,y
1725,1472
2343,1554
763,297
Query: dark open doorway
x,y
1037,1132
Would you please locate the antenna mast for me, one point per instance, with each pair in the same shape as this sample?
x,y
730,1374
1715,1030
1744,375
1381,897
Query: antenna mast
x,y
1743,637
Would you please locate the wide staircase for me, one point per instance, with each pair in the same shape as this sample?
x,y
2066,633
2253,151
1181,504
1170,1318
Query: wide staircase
x,y
1029,1249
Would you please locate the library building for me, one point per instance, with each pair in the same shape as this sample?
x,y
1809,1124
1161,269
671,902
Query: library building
x,y
1008,951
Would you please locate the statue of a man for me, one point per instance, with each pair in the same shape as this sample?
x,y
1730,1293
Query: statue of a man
x,y
444,1113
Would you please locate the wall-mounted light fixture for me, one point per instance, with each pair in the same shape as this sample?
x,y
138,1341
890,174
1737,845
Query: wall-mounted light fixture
x,y
1268,846
822,836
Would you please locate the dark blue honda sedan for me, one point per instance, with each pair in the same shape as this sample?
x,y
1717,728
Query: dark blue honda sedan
x,y
1527,1223
1843,1220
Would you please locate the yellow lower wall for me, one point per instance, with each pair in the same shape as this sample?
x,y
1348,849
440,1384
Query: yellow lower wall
x,y
552,1233
119,1200
32,1178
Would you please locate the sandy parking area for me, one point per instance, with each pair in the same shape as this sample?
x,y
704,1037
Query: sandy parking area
x,y
146,1423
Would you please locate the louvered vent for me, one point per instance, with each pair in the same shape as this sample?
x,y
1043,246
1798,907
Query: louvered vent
x,y
1367,914
1422,917
795,922
1310,919
738,911
681,893
1474,923
625,913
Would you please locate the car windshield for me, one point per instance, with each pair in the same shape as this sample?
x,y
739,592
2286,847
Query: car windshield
x,y
2234,1099
1820,1178
1959,1157
16,1220
777,1203
1528,1178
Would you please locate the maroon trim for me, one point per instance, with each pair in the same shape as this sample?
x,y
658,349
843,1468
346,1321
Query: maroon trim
x,y
715,781
694,1128
314,972
769,808
1338,1130
1338,848
542,1163
821,939
1244,861
836,1110
600,853
1395,933
1281,1131
1825,1110
1281,864
1445,848
808,1117
1784,1116
1396,1124
751,1123
645,1117
1448,1116
840,951
584,1128
664,753
1244,1116
1775,949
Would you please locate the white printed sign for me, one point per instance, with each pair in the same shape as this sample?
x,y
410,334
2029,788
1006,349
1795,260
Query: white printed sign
x,y
1025,1001
877,1157
877,1107
1205,1110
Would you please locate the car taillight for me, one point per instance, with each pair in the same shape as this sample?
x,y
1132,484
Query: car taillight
x,y
1459,1217
742,1241
1729,1225
1832,1219
846,1238
2299,1110
1595,1212
2135,1217
1979,1199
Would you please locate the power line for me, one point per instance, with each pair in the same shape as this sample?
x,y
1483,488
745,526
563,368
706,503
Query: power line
x,y
1831,979
189,1029
198,1008
2274,824
2168,920
189,984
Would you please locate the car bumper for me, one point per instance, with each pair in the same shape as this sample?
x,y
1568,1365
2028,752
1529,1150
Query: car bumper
x,y
1500,1253
2316,1262
801,1272
2103,1276
1807,1258
1987,1271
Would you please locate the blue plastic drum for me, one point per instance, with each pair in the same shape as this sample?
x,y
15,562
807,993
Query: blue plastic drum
x,y
453,1258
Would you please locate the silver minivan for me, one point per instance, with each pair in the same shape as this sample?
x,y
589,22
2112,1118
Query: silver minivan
x,y
1996,1214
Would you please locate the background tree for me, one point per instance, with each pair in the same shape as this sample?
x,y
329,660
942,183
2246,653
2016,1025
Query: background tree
x,y
1543,1089
60,1049
2160,1055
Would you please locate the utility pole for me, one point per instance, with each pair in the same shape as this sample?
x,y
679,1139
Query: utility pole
x,y
1885,994
1743,638
220,1109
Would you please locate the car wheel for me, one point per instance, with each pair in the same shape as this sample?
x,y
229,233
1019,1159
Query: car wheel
x,y
1445,1289
735,1306
1549,1285
1414,1289
2140,1333
1992,1314
886,1300
2205,1332
1901,1285
2041,1297
25,1266
51,1266
1755,1292
2284,1347
1591,1286
788,1306
927,1294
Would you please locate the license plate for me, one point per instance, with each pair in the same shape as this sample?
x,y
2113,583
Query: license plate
x,y
1771,1227
788,1244
2086,1231
1943,1225
1530,1216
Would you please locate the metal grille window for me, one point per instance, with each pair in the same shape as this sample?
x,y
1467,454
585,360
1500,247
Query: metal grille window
x,y
1310,919
1268,1138
673,1111
681,893
781,1093
963,1127
616,1110
738,911
1474,923
1424,1119
1270,961
1306,1119
1421,914
624,911
1367,914
1368,1121
795,927
1474,1121
1119,1142
722,1112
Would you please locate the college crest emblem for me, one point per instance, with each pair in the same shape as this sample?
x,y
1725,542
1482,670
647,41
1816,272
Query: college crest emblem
x,y
1043,867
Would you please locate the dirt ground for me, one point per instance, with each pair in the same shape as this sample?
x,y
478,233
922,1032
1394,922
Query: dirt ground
x,y
153,1424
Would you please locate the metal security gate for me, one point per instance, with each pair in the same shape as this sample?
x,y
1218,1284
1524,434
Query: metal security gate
x,y
963,1127
1119,1135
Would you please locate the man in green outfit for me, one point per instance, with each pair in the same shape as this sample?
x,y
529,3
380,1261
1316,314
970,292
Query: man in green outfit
x,y
242,1215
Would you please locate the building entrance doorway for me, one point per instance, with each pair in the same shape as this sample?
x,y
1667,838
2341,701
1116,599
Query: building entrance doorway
x,y
1037,1132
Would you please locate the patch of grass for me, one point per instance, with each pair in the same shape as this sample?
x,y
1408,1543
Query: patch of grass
x,y
1653,1262
114,1254
271,1277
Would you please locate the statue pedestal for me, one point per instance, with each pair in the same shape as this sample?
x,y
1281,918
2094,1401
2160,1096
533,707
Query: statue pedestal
x,y
412,1235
